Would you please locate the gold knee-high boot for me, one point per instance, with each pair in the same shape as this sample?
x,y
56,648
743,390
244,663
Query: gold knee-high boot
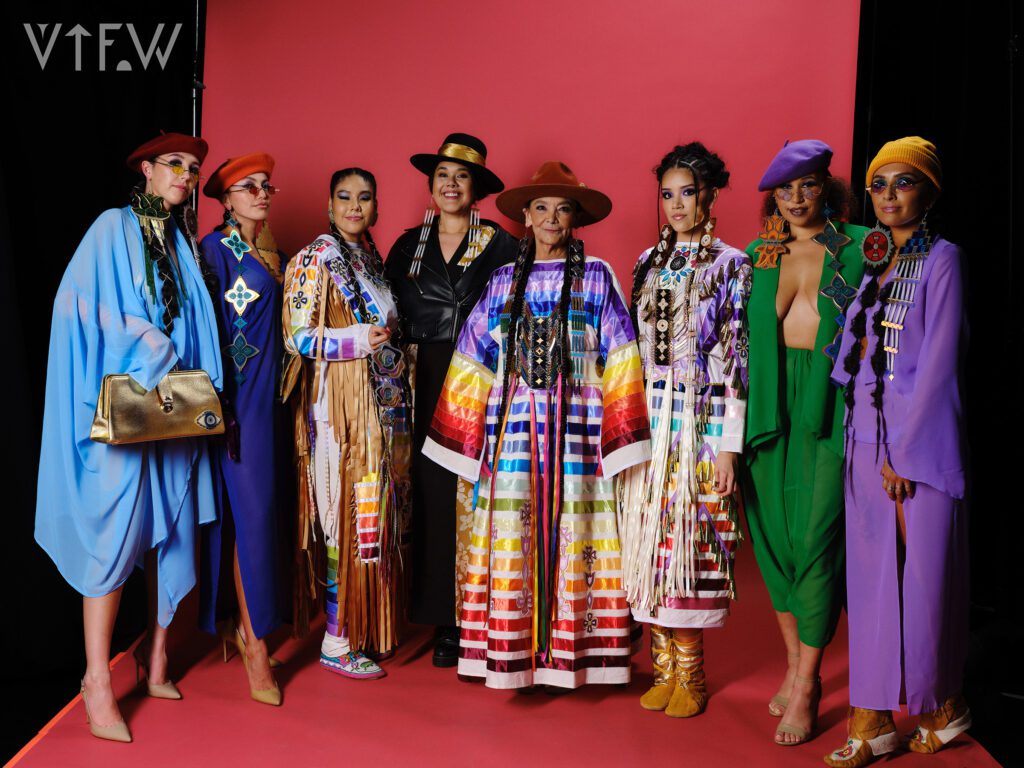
x,y
872,733
690,697
660,692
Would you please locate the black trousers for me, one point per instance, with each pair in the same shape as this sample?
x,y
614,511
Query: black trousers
x,y
432,583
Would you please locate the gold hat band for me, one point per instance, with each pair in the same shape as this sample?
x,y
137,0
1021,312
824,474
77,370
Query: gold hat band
x,y
462,152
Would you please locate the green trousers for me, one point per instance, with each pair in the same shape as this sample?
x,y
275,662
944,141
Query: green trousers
x,y
793,495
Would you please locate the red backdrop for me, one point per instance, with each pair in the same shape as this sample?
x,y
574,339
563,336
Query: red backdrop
x,y
603,85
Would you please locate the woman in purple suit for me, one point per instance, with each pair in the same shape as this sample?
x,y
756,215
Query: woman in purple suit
x,y
900,363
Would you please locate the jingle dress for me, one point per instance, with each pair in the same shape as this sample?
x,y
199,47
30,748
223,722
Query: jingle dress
x,y
352,438
910,629
440,529
793,487
100,507
249,486
517,631
679,536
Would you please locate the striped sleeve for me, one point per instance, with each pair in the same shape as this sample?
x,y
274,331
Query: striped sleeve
x,y
625,429
457,434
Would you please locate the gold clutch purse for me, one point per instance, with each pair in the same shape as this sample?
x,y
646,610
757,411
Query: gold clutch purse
x,y
182,404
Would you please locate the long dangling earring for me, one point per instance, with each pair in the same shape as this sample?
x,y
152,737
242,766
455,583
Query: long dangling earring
x,y
421,245
229,218
708,237
773,241
473,246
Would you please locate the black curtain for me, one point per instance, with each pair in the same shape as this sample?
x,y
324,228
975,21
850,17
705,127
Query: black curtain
x,y
951,73
68,127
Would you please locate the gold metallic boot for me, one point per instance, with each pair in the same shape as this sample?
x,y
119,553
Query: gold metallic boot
x,y
936,729
690,697
872,733
657,697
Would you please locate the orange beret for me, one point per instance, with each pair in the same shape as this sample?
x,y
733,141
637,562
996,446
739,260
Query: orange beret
x,y
166,143
234,169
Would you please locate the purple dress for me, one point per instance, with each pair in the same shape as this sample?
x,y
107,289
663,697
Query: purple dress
x,y
924,441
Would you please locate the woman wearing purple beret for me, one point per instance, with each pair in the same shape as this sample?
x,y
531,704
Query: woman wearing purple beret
x,y
906,522
807,266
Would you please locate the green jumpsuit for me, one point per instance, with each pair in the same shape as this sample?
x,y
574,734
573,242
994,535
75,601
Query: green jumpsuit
x,y
793,487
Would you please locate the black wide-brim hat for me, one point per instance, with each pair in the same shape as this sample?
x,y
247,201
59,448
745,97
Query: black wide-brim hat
x,y
555,179
468,151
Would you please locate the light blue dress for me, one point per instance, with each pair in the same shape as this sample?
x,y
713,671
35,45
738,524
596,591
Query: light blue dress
x,y
100,507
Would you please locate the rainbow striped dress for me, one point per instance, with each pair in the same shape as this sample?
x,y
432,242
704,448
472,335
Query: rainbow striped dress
x,y
543,601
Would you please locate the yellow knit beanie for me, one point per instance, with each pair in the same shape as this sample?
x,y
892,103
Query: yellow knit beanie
x,y
912,150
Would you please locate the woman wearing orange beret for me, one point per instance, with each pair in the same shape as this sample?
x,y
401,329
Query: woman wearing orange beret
x,y
243,256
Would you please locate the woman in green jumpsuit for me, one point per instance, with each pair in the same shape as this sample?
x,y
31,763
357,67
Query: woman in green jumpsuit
x,y
807,267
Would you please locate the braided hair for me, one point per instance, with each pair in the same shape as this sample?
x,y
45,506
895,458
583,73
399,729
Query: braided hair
x,y
709,172
869,297
376,261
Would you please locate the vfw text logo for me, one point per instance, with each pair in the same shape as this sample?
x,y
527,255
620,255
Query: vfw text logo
x,y
43,43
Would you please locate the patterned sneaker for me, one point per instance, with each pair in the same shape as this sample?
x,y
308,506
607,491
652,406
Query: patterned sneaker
x,y
353,664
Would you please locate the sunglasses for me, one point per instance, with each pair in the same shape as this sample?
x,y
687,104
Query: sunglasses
x,y
809,190
902,184
178,169
254,189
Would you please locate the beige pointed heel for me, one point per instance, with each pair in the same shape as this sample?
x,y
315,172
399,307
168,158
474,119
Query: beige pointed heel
x,y
232,642
271,696
167,690
116,732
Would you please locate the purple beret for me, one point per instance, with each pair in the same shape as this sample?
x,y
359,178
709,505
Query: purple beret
x,y
796,159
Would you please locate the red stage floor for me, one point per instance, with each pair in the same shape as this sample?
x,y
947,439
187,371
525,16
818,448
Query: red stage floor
x,y
422,716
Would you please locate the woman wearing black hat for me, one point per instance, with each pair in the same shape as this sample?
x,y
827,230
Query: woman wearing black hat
x,y
438,271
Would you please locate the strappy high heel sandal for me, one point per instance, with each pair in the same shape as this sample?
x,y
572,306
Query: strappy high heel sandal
x,y
778,703
802,734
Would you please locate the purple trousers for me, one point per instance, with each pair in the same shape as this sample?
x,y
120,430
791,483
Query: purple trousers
x,y
911,635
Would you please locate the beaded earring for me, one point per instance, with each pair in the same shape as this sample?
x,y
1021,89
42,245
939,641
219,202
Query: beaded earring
x,y
773,237
229,218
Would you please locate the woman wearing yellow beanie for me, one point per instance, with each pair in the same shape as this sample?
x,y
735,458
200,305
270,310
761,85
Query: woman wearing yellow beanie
x,y
906,521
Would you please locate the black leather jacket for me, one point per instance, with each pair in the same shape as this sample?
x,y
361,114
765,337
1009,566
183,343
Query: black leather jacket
x,y
434,306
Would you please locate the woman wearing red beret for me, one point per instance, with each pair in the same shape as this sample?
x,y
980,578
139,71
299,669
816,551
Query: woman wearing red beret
x,y
243,256
132,301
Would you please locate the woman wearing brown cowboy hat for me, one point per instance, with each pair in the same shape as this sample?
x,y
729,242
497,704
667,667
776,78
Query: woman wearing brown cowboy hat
x,y
543,405
438,271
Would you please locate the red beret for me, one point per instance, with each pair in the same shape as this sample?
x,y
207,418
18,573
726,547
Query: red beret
x,y
234,169
166,143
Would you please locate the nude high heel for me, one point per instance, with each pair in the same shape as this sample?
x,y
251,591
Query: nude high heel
x,y
166,690
116,732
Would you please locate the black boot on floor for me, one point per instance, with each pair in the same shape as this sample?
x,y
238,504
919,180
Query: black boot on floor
x,y
446,647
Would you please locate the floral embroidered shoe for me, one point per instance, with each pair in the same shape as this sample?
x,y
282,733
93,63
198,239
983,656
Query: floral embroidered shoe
x,y
936,729
353,664
690,697
659,694
872,733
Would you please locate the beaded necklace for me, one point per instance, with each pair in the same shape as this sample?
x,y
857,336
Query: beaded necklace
x,y
908,269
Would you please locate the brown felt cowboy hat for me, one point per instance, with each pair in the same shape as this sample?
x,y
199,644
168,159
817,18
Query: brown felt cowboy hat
x,y
555,179
468,151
